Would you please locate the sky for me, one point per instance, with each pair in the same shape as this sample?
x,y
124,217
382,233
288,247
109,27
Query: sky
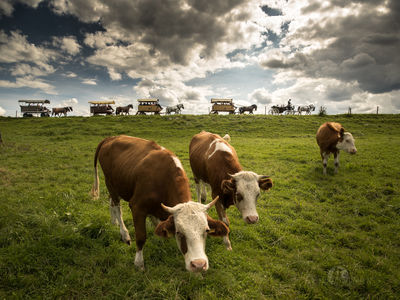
x,y
334,53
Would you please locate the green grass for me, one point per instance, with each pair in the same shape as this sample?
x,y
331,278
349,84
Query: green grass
x,y
56,242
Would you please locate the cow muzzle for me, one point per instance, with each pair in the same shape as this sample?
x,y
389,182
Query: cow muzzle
x,y
353,151
198,265
251,219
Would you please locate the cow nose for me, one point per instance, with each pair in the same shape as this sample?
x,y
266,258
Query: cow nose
x,y
354,151
251,219
198,265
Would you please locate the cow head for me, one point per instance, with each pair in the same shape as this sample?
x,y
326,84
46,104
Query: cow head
x,y
346,142
190,224
245,188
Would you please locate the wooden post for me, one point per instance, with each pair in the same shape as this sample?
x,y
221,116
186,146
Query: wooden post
x,y
377,109
265,110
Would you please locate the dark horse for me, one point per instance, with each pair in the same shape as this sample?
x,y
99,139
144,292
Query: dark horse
x,y
61,110
123,109
247,108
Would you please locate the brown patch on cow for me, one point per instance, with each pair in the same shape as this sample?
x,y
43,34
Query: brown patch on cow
x,y
217,228
265,183
228,186
328,135
183,243
166,228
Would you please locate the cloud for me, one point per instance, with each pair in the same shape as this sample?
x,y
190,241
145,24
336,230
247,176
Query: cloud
x,y
6,6
353,41
261,96
15,48
89,81
70,75
31,82
69,102
68,44
2,111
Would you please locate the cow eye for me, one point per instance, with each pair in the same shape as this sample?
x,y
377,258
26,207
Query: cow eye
x,y
239,197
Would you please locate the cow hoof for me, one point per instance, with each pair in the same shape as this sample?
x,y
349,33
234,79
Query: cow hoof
x,y
229,248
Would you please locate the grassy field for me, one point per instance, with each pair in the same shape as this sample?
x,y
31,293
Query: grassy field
x,y
334,236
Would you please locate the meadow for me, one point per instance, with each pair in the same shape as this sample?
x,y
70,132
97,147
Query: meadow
x,y
334,236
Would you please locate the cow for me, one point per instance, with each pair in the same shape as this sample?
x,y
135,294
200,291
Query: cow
x,y
153,181
215,162
331,138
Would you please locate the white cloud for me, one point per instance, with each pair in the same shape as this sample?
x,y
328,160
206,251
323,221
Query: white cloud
x,y
70,75
69,102
31,82
68,44
2,111
89,81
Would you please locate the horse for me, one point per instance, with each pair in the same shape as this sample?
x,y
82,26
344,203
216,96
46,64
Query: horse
x,y
123,109
176,109
247,108
307,108
61,110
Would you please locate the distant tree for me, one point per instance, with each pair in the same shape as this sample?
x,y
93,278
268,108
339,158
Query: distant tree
x,y
322,111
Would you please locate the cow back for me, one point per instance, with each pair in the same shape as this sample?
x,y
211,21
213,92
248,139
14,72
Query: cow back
x,y
328,135
210,164
145,170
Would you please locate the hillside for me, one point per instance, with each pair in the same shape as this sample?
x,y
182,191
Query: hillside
x,y
318,236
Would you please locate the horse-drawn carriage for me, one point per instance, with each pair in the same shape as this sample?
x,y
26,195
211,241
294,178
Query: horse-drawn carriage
x,y
101,107
222,105
288,109
34,107
151,105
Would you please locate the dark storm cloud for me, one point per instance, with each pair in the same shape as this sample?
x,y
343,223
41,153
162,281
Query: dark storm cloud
x,y
271,11
170,27
365,47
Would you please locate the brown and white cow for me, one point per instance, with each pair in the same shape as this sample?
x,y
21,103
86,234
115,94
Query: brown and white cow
x,y
331,138
153,181
215,162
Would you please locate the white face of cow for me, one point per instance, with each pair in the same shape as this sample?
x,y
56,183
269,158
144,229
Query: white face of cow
x,y
347,144
191,233
191,227
247,192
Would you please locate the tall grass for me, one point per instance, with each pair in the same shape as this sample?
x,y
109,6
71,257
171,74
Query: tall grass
x,y
331,236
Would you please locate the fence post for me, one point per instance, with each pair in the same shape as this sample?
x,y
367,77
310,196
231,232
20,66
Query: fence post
x,y
377,109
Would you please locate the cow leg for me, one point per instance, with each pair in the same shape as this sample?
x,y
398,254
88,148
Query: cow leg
x,y
203,192
116,215
116,218
224,218
336,155
139,221
325,157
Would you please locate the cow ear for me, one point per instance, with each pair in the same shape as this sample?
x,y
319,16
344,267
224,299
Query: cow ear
x,y
341,133
166,228
264,182
217,228
228,186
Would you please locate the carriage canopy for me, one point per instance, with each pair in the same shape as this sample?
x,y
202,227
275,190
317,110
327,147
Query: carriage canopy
x,y
102,102
35,101
216,100
150,100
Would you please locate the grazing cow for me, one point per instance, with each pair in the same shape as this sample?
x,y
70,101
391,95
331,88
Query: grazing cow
x,y
153,181
331,137
214,161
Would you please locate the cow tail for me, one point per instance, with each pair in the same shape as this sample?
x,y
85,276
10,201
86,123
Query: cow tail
x,y
95,192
